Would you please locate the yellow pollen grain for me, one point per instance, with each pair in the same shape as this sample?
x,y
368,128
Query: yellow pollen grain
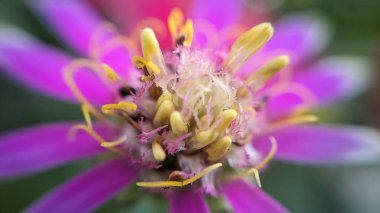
x,y
247,45
163,113
175,20
158,152
161,184
188,30
177,124
218,149
225,118
267,71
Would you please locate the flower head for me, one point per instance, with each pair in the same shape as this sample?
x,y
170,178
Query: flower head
x,y
183,121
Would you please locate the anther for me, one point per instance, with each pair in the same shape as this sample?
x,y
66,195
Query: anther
x,y
202,139
166,96
150,46
225,118
247,45
218,149
177,124
110,73
158,152
109,109
261,76
163,113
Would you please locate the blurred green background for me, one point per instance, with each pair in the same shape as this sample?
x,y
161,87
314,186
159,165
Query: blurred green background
x,y
356,27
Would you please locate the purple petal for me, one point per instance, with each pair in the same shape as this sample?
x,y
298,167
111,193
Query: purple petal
x,y
335,78
41,147
88,190
188,201
318,144
245,198
284,104
74,21
220,13
39,66
304,35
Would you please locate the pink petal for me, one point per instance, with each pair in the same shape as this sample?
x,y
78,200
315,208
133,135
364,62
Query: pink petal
x,y
188,201
74,21
245,198
42,147
220,13
88,190
304,35
39,66
336,78
322,144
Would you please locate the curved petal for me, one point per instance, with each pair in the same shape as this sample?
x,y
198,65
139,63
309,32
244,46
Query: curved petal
x,y
303,35
245,198
220,13
74,21
41,147
39,66
318,144
88,190
188,201
336,78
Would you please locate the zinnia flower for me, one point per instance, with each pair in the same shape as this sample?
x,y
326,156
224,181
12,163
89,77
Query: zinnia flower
x,y
200,117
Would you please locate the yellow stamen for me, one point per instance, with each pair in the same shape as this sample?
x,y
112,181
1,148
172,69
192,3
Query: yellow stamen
x,y
158,152
261,76
225,118
155,23
68,74
265,161
166,96
107,144
202,139
163,113
150,67
177,124
188,31
86,114
110,73
218,149
161,184
150,46
247,45
175,21
109,109
299,119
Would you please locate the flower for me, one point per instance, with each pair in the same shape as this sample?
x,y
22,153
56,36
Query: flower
x,y
199,117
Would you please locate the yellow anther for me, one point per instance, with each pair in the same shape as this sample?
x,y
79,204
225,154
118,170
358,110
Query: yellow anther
x,y
110,73
225,118
177,124
148,66
161,184
108,144
175,21
109,109
255,170
299,119
247,45
86,114
162,115
150,46
218,149
261,76
158,152
202,139
188,31
166,96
